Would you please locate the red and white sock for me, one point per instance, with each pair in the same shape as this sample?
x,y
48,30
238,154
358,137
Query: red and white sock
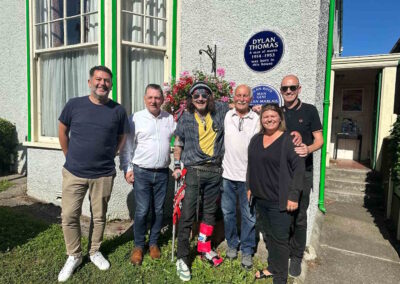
x,y
204,245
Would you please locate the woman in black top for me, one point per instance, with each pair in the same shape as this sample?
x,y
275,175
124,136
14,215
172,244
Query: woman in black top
x,y
275,178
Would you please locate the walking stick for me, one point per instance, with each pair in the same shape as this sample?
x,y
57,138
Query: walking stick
x,y
179,191
173,223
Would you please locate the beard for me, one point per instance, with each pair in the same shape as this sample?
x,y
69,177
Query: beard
x,y
100,96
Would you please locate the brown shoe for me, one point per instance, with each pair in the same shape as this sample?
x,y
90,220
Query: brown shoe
x,y
137,256
155,252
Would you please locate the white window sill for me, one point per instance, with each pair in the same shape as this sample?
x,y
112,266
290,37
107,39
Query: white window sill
x,y
46,145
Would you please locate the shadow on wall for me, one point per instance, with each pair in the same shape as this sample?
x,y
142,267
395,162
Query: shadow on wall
x,y
21,165
131,203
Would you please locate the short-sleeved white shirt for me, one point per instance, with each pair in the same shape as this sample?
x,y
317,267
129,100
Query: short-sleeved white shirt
x,y
236,142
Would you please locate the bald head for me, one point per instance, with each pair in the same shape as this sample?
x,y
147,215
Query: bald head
x,y
290,90
292,78
243,88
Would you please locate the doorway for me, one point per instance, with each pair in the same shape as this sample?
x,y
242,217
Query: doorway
x,y
355,108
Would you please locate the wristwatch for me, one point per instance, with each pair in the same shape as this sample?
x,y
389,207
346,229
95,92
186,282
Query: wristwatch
x,y
177,164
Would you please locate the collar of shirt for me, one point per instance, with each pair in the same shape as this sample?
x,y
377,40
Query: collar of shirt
x,y
296,107
148,113
251,114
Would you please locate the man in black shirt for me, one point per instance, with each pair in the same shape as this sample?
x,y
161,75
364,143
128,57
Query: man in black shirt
x,y
91,131
303,118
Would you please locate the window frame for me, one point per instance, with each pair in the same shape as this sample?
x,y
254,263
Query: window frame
x,y
36,112
108,39
167,49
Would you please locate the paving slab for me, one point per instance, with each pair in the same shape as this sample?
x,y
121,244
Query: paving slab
x,y
333,266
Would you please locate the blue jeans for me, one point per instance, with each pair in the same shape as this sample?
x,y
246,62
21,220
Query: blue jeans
x,y
150,188
231,191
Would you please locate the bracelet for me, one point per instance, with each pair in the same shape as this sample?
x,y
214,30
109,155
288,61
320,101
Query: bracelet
x,y
177,163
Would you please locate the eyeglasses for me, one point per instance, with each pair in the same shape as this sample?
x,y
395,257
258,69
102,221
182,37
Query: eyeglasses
x,y
198,95
292,88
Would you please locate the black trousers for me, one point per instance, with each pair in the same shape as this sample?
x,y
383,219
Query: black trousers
x,y
275,228
298,234
207,186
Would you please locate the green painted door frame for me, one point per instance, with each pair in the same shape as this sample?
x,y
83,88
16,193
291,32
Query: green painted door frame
x,y
376,118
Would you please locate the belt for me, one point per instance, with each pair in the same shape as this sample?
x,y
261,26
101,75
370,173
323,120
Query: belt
x,y
213,168
152,170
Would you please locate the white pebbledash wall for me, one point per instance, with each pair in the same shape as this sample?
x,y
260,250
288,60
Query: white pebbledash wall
x,y
229,24
13,87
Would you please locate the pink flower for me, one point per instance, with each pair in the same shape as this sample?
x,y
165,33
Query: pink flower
x,y
185,74
219,86
232,84
221,72
224,99
166,88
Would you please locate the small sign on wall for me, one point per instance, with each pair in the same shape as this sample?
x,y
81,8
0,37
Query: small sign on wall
x,y
352,100
263,51
263,94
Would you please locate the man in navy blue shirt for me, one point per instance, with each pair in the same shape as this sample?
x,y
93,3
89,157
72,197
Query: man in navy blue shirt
x,y
91,131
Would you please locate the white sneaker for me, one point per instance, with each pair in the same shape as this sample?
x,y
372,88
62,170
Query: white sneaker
x,y
182,270
70,265
98,259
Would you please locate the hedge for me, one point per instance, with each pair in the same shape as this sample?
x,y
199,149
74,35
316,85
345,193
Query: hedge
x,y
8,146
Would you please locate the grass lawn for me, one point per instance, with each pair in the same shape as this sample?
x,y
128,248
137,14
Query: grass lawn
x,y
33,252
5,184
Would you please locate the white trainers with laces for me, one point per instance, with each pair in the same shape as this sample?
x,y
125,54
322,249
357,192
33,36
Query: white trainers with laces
x,y
70,265
98,259
182,270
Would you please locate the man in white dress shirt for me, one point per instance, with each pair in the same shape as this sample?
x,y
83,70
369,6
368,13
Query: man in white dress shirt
x,y
240,124
145,159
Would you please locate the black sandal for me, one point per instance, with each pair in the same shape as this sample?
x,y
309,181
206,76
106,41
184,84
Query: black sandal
x,y
262,275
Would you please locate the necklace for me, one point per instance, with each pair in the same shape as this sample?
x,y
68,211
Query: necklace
x,y
202,120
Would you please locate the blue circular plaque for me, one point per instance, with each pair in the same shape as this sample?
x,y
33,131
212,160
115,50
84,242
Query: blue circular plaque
x,y
263,94
263,51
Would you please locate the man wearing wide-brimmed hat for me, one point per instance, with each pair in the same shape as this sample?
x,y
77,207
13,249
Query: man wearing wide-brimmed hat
x,y
199,145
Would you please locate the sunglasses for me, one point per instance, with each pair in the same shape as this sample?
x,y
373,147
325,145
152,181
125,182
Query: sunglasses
x,y
198,95
292,88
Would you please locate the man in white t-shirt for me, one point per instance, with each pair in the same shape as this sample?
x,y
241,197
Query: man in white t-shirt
x,y
240,124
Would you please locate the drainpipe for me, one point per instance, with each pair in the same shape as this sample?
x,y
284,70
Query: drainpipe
x,y
326,106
